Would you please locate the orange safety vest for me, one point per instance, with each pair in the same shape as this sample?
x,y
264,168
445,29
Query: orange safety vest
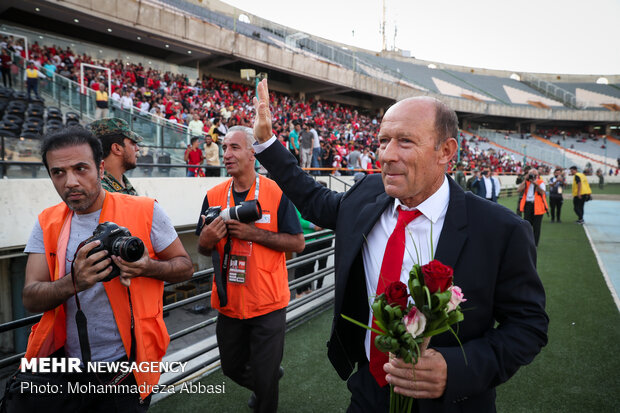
x,y
540,201
152,339
266,281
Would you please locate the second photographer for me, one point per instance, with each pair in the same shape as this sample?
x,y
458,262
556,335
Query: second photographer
x,y
533,203
250,288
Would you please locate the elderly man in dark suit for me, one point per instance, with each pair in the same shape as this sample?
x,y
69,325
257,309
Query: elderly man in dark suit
x,y
491,250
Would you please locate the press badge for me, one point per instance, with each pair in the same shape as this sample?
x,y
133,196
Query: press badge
x,y
239,261
236,271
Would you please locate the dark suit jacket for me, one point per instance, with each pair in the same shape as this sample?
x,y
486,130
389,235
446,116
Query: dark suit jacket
x,y
480,189
494,259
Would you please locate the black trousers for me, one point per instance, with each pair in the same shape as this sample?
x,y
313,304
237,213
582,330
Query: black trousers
x,y
534,220
322,261
6,75
251,352
32,85
366,395
578,204
212,171
555,205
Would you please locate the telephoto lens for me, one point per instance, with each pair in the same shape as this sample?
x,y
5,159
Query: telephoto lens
x,y
246,212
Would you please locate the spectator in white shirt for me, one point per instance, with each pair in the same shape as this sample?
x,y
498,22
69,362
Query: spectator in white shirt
x,y
126,101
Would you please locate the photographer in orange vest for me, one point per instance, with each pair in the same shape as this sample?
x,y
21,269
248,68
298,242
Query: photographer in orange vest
x,y
250,288
119,320
533,203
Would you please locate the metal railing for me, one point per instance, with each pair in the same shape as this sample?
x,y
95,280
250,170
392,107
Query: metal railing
x,y
529,148
552,91
203,276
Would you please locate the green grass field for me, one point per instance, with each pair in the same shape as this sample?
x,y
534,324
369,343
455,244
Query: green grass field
x,y
612,189
576,372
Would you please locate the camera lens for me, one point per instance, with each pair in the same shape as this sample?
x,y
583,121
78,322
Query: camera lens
x,y
128,248
248,211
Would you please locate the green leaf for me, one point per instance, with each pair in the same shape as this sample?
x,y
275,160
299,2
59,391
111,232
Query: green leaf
x,y
389,313
441,300
437,331
460,344
357,323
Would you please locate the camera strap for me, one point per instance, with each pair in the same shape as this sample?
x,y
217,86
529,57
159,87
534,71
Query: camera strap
x,y
81,321
221,282
82,328
256,188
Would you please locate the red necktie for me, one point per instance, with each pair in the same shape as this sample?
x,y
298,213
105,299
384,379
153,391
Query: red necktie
x,y
390,272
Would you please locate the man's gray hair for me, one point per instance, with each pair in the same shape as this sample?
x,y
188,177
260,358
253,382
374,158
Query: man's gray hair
x,y
446,122
248,132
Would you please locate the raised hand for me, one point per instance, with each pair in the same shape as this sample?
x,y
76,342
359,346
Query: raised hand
x,y
262,114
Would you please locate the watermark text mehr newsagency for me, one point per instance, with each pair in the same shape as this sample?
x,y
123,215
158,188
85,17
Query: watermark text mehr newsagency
x,y
72,365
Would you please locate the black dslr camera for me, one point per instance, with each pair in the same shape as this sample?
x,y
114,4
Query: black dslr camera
x,y
246,212
117,241
531,177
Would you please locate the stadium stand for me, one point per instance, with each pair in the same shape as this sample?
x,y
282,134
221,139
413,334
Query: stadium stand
x,y
595,95
179,98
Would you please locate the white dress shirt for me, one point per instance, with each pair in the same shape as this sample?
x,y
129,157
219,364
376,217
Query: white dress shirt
x,y
498,185
417,232
488,185
417,241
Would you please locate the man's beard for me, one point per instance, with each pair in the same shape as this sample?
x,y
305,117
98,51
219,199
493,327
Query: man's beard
x,y
82,204
129,163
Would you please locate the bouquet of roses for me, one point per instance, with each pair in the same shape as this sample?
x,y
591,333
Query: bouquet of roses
x,y
406,328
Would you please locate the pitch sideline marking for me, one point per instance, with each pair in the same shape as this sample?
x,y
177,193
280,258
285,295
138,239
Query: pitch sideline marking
x,y
612,289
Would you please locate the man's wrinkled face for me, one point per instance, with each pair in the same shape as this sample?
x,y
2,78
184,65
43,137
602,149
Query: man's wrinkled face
x,y
238,157
76,177
412,164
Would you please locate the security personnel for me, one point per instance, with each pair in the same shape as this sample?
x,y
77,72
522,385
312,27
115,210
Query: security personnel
x,y
32,80
252,293
533,203
120,153
581,192
101,102
124,314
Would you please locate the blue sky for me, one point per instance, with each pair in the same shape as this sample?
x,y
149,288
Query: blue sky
x,y
530,35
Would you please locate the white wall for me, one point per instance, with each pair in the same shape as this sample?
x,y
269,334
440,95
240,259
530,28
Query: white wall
x,y
21,201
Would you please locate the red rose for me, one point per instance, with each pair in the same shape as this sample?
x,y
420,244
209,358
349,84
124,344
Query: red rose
x,y
437,277
396,294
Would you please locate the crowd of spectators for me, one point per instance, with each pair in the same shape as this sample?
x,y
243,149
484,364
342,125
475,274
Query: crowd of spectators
x,y
473,157
347,136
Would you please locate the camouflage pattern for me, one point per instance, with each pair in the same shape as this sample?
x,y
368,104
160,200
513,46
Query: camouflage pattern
x,y
110,184
113,126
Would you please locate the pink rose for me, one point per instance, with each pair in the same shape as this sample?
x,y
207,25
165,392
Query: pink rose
x,y
456,299
415,322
